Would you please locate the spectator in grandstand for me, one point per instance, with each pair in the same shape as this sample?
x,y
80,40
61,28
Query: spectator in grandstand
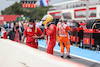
x,y
15,34
32,32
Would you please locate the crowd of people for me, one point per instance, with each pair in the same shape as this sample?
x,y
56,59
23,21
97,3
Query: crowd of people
x,y
32,31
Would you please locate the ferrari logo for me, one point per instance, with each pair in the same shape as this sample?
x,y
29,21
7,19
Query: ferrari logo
x,y
87,41
74,38
27,30
35,30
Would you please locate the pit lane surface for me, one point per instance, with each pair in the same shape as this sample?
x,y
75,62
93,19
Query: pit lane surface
x,y
74,58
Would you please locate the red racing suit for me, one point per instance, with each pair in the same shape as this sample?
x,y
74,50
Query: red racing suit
x,y
30,32
51,38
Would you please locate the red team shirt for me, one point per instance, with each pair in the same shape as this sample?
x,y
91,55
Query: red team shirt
x,y
30,32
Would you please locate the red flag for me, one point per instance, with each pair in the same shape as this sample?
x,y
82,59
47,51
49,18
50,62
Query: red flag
x,y
47,2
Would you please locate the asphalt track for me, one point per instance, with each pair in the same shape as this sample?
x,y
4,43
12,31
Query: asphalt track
x,y
74,59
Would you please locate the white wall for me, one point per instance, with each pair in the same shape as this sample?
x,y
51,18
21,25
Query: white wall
x,y
71,10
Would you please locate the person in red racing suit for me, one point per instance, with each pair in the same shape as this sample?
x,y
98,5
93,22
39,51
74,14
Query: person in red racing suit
x,y
51,37
32,33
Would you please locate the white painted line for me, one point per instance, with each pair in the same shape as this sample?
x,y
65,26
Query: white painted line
x,y
76,56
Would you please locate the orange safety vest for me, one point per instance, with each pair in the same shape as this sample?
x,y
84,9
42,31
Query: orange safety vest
x,y
63,30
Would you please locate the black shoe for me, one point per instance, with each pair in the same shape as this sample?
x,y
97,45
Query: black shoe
x,y
62,56
69,56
